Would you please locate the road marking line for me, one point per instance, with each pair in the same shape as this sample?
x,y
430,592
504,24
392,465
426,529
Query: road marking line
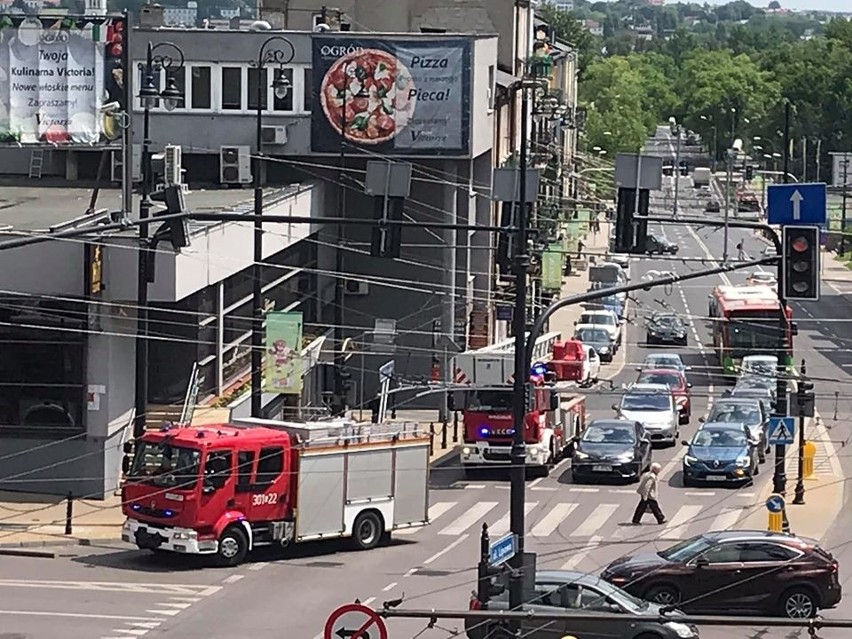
x,y
709,493
390,586
544,488
503,487
150,625
73,615
593,522
622,491
709,255
580,489
746,495
179,606
410,572
677,525
169,613
674,463
256,567
559,466
444,551
535,482
186,599
133,632
727,520
581,554
474,486
163,589
368,601
232,579
474,514
501,527
435,510
551,520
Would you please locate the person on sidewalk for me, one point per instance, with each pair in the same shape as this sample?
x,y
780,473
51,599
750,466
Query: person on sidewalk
x,y
580,247
741,254
648,496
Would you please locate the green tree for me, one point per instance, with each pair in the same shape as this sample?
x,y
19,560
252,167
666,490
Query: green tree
x,y
571,31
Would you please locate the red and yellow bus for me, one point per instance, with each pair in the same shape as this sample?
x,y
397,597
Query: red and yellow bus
x,y
745,322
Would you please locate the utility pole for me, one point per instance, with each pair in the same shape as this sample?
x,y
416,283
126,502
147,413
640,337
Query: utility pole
x,y
677,170
518,455
728,178
818,158
804,159
845,196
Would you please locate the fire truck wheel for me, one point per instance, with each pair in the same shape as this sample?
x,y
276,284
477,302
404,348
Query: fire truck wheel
x,y
233,547
367,530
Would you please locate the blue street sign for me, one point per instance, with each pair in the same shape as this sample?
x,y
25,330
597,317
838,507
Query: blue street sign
x,y
796,203
781,430
502,550
775,504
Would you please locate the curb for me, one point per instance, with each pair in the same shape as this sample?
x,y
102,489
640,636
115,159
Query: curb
x,y
444,458
22,552
26,546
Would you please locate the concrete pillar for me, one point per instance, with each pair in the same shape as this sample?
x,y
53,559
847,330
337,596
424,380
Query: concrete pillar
x,y
450,236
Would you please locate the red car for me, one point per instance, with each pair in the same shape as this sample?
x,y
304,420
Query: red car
x,y
676,381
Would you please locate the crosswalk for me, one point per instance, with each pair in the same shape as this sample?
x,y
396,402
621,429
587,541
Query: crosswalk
x,y
585,521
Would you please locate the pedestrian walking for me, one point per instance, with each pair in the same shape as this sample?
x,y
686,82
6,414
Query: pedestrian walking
x,y
580,247
741,256
648,496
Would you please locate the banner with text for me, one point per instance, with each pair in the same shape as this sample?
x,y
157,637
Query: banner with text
x,y
283,369
55,74
394,96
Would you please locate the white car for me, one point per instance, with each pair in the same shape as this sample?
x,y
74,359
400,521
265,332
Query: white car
x,y
769,251
606,320
653,406
759,366
762,278
591,366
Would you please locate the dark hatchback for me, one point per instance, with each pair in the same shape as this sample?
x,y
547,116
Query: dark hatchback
x,y
740,571
660,245
666,328
611,449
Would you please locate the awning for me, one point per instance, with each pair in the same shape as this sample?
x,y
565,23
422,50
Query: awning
x,y
504,79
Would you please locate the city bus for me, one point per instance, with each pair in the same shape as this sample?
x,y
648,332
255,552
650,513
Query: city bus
x,y
744,321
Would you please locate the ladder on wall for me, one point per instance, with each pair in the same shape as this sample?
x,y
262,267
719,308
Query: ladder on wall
x,y
36,163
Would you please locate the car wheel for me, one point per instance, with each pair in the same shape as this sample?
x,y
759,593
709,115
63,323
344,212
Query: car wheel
x,y
798,602
367,530
233,547
664,594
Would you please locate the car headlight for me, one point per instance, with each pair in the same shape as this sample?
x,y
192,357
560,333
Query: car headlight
x,y
680,629
580,455
742,462
604,350
689,460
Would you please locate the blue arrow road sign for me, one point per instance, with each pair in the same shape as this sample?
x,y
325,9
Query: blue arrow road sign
x,y
775,504
781,430
796,203
502,549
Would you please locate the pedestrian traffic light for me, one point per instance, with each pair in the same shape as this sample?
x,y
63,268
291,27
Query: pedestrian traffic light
x,y
684,168
386,237
749,173
175,230
801,262
491,582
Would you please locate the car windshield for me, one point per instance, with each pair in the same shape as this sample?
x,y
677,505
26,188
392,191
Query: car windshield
x,y
609,434
665,320
668,379
663,361
592,335
764,366
719,438
754,382
646,401
602,320
165,465
686,550
735,414
490,400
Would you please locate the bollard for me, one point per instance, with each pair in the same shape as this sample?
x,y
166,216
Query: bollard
x,y
69,512
431,438
808,465
444,435
455,427
775,522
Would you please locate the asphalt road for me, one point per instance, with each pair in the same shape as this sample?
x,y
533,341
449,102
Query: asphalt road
x,y
109,592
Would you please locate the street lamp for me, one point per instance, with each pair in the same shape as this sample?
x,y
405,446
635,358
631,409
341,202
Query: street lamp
x,y
267,55
170,61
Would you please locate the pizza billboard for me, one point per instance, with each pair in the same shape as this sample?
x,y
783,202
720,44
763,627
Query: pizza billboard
x,y
391,96
55,75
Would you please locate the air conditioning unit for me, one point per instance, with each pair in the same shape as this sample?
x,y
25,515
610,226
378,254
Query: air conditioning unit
x,y
356,287
274,135
300,284
117,164
234,165
173,162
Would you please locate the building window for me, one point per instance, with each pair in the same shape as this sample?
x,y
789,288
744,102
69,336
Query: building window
x,y
285,103
252,88
180,82
491,87
232,91
308,92
201,88
42,371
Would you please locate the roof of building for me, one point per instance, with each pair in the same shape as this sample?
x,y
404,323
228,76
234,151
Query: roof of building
x,y
42,208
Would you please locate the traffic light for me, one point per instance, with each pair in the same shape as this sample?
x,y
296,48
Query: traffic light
x,y
631,234
749,173
176,231
491,582
801,262
684,168
386,239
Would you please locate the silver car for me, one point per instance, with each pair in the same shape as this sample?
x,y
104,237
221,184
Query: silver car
x,y
653,406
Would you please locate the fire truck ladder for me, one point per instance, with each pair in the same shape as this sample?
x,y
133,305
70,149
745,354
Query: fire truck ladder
x,y
191,397
36,163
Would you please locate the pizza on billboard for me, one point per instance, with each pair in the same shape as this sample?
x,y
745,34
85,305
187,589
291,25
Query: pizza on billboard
x,y
368,96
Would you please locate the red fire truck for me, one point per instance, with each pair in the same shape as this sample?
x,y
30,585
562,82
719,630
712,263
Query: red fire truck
x,y
551,421
225,489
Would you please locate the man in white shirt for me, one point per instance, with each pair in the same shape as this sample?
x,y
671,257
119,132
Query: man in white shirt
x,y
647,490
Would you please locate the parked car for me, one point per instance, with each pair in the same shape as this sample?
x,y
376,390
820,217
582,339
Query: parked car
x,y
568,591
653,406
611,449
713,207
737,571
606,320
666,328
677,383
667,361
747,411
596,337
660,245
720,452
762,278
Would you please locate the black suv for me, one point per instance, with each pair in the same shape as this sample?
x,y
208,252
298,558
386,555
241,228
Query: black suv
x,y
659,244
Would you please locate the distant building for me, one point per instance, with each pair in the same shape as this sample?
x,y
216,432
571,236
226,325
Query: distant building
x,y
181,16
655,3
563,5
594,27
644,33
